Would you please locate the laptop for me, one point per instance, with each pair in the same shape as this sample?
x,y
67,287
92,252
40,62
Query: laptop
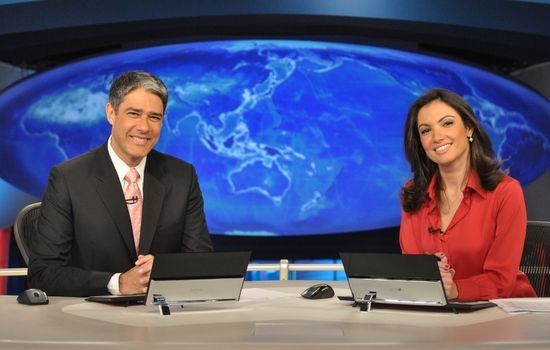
x,y
190,278
395,279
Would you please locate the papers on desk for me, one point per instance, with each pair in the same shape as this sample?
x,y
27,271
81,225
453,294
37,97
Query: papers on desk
x,y
512,305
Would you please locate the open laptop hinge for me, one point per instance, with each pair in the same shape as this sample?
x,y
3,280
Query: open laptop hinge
x,y
164,309
365,304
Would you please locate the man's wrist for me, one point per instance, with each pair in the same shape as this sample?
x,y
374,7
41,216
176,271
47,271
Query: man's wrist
x,y
113,285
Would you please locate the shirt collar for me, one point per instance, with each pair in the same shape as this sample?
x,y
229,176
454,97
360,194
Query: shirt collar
x,y
121,167
474,184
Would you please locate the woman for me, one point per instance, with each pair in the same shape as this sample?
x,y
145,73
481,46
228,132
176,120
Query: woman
x,y
460,206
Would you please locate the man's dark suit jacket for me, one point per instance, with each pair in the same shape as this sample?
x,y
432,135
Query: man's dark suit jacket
x,y
84,230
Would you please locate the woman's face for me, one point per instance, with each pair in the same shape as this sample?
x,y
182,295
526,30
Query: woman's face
x,y
443,134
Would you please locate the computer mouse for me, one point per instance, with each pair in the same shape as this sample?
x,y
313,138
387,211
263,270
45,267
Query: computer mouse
x,y
318,291
33,297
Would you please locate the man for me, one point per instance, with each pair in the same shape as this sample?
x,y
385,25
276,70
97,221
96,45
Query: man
x,y
107,212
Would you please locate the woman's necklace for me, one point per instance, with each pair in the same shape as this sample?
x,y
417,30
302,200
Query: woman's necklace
x,y
449,204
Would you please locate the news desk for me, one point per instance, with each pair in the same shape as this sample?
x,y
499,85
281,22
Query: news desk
x,y
270,315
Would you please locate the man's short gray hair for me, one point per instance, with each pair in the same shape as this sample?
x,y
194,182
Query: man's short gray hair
x,y
129,81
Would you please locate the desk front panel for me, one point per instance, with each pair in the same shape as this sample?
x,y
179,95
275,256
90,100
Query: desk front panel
x,y
269,315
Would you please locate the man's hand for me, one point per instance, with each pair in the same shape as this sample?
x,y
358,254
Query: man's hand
x,y
135,280
447,276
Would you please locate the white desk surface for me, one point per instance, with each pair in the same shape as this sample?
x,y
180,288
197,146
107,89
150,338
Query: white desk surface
x,y
270,315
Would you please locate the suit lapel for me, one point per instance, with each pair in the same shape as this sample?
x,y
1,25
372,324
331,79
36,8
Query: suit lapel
x,y
109,190
153,198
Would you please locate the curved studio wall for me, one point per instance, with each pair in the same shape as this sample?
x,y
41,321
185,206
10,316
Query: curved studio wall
x,y
288,137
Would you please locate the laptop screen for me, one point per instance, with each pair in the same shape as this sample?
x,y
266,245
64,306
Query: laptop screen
x,y
395,278
197,277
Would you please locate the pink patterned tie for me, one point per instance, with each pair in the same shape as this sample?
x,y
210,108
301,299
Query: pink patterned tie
x,y
134,201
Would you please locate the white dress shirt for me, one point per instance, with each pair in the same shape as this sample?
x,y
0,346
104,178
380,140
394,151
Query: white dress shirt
x,y
121,170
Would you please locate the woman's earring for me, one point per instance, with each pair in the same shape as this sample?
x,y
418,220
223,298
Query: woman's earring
x,y
470,138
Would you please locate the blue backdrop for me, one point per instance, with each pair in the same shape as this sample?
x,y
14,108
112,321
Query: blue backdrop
x,y
288,137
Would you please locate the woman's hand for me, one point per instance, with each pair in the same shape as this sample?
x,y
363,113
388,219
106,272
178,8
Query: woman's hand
x,y
447,276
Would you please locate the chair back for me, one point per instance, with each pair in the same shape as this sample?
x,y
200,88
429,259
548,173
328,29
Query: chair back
x,y
535,262
25,227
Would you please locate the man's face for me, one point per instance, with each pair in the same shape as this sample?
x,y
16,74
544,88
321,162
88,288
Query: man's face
x,y
135,125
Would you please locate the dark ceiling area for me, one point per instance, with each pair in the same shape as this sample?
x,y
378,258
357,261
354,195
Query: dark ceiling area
x,y
499,35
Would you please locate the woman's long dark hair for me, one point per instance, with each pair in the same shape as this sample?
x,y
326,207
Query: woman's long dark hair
x,y
482,156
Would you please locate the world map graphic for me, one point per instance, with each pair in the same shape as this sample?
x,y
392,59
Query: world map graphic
x,y
288,137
